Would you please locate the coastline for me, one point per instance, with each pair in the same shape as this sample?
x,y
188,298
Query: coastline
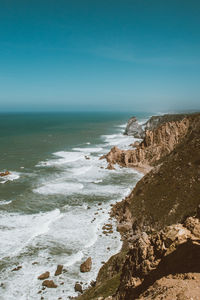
x,y
48,237
140,224
150,211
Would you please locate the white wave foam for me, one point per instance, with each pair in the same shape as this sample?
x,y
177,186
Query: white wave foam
x,y
88,150
103,190
110,136
119,140
64,188
65,158
22,229
74,258
81,170
122,126
98,181
4,202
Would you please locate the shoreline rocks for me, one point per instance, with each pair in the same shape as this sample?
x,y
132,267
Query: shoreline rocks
x,y
78,288
86,265
6,173
16,269
44,276
49,284
58,270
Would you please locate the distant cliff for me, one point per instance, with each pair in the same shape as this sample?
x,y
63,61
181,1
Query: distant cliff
x,y
134,128
160,220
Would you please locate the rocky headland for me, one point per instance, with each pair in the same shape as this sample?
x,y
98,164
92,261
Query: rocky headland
x,y
160,220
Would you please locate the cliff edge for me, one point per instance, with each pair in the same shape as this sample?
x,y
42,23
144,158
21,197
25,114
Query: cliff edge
x,y
160,220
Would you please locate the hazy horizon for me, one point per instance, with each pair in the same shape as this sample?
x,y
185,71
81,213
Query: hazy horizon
x,y
99,55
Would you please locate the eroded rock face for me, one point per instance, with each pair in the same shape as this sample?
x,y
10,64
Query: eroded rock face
x,y
161,243
157,143
134,128
175,249
86,266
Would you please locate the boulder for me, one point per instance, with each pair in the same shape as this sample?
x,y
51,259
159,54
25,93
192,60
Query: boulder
x,y
86,265
44,276
78,288
49,284
58,270
134,128
17,268
6,173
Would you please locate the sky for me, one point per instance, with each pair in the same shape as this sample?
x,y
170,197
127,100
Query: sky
x,y
128,55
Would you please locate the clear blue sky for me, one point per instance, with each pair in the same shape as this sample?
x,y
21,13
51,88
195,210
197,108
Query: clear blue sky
x,y
99,54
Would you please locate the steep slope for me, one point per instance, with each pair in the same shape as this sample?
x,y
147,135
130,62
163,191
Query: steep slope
x,y
159,223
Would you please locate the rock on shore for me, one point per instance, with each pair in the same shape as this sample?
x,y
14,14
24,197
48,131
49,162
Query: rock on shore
x,y
49,284
6,173
86,265
59,270
44,276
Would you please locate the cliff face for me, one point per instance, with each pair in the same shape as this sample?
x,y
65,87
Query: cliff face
x,y
157,143
159,221
156,217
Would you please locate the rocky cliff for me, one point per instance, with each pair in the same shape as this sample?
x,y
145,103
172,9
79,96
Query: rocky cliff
x,y
159,140
160,220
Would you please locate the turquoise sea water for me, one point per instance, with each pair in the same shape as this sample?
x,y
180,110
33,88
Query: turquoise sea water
x,y
49,210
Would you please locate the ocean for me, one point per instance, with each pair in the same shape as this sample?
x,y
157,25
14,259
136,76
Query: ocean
x,y
57,198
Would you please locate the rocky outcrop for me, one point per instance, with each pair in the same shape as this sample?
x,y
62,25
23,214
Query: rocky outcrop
x,y
173,250
134,128
157,143
159,221
6,173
